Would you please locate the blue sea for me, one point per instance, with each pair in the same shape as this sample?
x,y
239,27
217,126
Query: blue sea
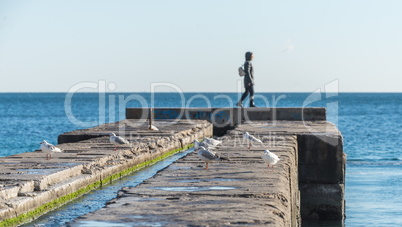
x,y
371,124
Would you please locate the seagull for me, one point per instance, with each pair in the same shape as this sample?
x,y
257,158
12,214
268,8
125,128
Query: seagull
x,y
212,142
208,156
117,140
198,145
251,138
153,128
270,158
49,149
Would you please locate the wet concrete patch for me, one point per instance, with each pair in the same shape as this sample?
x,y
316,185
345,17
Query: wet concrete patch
x,y
180,167
195,189
66,164
102,224
206,180
138,221
38,171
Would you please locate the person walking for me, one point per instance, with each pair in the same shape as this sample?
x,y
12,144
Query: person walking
x,y
248,81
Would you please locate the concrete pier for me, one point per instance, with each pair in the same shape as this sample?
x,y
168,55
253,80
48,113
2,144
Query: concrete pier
x,y
30,185
308,182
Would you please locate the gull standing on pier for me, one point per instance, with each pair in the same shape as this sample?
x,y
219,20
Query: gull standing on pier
x,y
270,158
250,139
117,140
198,145
208,156
213,142
49,149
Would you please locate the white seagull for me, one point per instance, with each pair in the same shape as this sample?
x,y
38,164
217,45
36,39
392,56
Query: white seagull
x,y
117,140
270,158
49,149
212,142
198,145
250,139
208,156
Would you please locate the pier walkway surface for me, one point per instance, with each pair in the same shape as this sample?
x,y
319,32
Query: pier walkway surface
x,y
241,191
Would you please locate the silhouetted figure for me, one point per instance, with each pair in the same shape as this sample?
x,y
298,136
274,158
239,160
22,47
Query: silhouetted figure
x,y
248,81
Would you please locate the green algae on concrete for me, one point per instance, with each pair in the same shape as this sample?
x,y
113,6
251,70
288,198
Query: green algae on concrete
x,y
142,165
32,215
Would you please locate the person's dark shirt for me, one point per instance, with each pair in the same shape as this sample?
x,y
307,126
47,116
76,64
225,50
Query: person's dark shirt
x,y
249,77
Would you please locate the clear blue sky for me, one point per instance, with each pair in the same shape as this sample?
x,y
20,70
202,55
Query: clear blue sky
x,y
299,46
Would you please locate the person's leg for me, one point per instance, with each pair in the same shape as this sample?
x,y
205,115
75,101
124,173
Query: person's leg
x,y
251,90
243,97
246,92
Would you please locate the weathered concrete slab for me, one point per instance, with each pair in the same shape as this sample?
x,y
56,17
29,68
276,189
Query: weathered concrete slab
x,y
242,191
29,181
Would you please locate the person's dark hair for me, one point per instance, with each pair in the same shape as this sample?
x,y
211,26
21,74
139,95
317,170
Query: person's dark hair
x,y
248,56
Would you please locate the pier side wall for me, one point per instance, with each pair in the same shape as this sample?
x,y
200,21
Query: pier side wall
x,y
322,176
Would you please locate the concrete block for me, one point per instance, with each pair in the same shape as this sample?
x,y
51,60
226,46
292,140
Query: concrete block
x,y
321,158
20,205
6,211
9,192
288,114
27,186
43,183
322,201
